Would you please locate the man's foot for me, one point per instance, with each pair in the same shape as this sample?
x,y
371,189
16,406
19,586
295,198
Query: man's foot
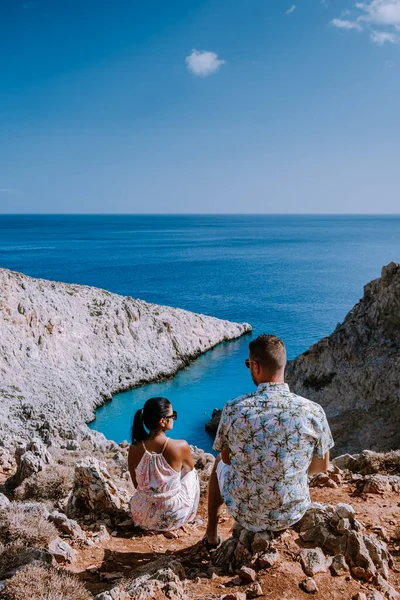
x,y
210,545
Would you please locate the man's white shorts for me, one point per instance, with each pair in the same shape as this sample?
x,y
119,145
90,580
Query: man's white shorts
x,y
222,471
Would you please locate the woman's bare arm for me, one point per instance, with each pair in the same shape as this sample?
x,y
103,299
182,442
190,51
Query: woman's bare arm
x,y
187,458
131,467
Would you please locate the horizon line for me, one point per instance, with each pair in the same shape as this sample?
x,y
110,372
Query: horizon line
x,y
183,214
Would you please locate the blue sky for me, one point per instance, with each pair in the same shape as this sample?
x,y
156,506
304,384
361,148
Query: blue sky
x,y
200,106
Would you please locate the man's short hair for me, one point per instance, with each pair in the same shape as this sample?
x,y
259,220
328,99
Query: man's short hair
x,y
269,351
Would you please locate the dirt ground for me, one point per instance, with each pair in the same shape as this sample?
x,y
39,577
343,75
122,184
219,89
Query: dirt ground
x,y
127,551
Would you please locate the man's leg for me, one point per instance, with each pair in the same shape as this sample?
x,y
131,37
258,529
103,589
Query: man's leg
x,y
215,503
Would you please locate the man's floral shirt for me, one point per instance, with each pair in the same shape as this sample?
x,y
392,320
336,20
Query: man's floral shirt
x,y
272,436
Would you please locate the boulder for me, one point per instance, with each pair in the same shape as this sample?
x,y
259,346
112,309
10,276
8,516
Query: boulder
x,y
212,425
30,459
309,585
95,492
313,561
366,555
163,583
65,525
378,484
62,552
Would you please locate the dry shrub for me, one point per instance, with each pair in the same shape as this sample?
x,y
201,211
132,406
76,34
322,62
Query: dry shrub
x,y
16,555
369,462
53,483
27,527
41,583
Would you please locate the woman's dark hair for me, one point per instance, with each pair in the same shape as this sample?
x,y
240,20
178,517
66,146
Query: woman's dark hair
x,y
149,416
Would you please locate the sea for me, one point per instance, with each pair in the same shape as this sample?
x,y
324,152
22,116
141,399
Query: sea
x,y
296,276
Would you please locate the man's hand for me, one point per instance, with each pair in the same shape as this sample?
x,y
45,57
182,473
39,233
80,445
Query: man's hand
x,y
225,457
319,465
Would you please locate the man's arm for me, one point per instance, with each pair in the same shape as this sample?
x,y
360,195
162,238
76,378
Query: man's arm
x,y
318,465
225,456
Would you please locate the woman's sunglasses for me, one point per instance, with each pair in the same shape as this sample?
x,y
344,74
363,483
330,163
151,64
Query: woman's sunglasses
x,y
174,416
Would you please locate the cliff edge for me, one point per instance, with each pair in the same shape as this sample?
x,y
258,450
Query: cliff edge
x,y
355,372
64,349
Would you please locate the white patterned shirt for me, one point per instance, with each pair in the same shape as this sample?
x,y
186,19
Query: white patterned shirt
x,y
272,436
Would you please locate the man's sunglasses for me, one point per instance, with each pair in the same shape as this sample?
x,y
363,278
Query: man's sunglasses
x,y
247,362
174,416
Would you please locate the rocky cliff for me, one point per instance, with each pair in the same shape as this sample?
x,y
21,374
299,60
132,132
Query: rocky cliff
x,y
355,372
64,349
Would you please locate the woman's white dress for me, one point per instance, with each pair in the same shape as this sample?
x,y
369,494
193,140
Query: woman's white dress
x,y
164,499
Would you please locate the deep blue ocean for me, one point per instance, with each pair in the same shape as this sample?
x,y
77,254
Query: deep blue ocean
x,y
295,276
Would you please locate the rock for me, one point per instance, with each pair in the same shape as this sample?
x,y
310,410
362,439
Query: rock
x,y
31,460
339,565
374,595
4,501
268,559
359,596
112,576
345,461
149,585
65,525
345,511
247,575
261,541
313,561
73,445
323,480
254,591
235,596
65,349
95,491
309,585
212,425
378,484
62,552
384,586
353,373
365,554
102,534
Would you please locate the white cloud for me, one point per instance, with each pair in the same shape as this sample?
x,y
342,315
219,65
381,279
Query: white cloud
x,y
380,17
290,10
203,63
380,37
380,12
345,24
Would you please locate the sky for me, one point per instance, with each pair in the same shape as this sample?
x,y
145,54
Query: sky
x,y
199,106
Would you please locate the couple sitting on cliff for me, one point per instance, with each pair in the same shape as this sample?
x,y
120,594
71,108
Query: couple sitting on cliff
x,y
269,442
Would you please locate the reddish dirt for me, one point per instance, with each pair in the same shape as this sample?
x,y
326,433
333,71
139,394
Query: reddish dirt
x,y
127,552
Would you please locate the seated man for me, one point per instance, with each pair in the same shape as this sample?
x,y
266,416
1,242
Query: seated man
x,y
269,440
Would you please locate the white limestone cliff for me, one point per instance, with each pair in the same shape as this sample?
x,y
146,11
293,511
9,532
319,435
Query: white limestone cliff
x,y
64,349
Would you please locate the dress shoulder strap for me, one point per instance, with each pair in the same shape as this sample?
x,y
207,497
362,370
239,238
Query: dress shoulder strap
x,y
144,446
165,445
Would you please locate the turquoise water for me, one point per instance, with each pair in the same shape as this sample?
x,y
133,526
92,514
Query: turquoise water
x,y
296,276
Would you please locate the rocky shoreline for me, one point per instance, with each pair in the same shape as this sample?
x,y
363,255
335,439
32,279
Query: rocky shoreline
x,y
65,527
65,349
354,372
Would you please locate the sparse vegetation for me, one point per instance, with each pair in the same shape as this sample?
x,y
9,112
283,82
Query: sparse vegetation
x,y
14,556
26,527
49,484
41,583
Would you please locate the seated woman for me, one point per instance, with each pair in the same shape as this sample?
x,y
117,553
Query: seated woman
x,y
162,470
